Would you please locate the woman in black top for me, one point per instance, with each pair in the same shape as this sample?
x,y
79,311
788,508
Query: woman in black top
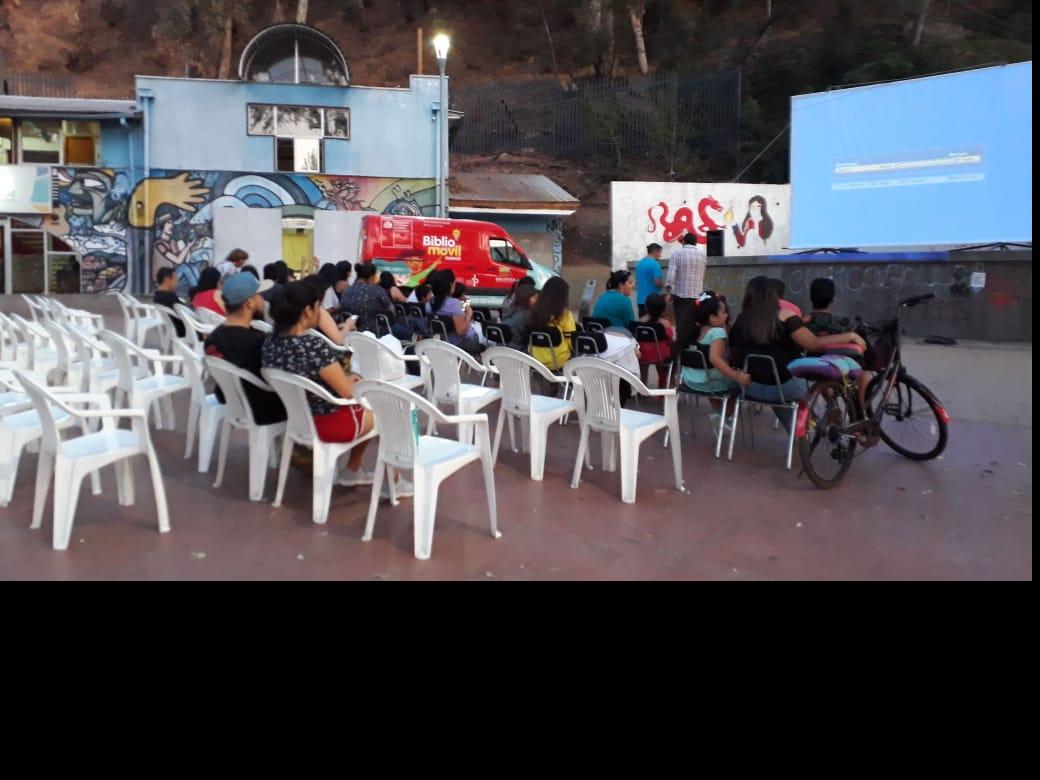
x,y
763,328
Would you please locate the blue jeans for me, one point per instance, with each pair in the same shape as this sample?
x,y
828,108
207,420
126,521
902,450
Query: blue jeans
x,y
794,389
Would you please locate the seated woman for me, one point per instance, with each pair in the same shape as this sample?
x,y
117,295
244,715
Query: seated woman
x,y
524,299
615,305
550,311
705,330
659,354
206,294
764,328
389,284
367,299
465,334
291,348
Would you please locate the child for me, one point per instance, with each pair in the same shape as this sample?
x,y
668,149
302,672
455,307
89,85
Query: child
x,y
822,323
659,354
706,331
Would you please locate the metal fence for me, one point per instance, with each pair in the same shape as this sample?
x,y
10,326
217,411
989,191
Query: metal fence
x,y
664,114
36,84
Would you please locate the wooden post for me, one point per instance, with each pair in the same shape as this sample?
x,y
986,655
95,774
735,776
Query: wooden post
x,y
418,47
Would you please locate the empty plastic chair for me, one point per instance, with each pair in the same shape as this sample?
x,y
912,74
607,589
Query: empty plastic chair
x,y
375,360
536,413
446,385
600,410
430,459
293,389
67,462
238,414
142,380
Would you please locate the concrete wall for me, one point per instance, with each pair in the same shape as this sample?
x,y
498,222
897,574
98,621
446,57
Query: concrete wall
x,y
644,212
198,124
986,296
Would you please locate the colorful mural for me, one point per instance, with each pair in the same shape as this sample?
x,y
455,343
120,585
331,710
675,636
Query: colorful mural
x,y
97,212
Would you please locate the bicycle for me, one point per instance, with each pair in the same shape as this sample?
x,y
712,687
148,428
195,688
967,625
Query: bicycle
x,y
899,410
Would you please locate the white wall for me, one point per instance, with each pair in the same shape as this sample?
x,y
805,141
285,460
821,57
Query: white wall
x,y
337,235
644,212
257,231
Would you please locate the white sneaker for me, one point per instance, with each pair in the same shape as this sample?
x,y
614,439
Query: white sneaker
x,y
402,489
355,478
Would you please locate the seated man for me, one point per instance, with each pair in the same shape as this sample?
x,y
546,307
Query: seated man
x,y
166,295
239,344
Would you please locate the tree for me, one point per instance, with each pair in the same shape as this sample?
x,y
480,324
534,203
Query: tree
x,y
636,10
301,11
599,24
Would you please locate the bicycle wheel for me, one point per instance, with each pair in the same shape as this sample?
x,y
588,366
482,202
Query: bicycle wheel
x,y
827,450
913,422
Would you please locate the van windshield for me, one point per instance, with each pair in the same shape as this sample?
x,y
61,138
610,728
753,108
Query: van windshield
x,y
504,252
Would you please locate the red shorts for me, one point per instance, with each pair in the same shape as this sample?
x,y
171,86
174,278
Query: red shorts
x,y
342,426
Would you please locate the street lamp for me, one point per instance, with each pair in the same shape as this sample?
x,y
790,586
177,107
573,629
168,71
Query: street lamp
x,y
441,44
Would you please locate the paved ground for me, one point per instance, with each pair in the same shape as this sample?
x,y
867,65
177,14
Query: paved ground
x,y
968,516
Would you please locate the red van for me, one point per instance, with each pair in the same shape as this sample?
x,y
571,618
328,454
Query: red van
x,y
482,255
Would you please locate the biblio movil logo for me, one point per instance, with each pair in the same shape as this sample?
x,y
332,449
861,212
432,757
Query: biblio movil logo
x,y
443,246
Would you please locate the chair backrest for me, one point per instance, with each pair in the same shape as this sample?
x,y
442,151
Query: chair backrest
x,y
123,352
651,332
166,315
591,343
445,361
382,325
194,331
28,337
263,327
767,360
393,408
376,359
601,387
33,305
514,370
61,343
594,324
8,339
42,402
693,357
292,389
480,316
209,317
129,309
194,368
439,326
498,334
85,348
230,378
399,310
415,311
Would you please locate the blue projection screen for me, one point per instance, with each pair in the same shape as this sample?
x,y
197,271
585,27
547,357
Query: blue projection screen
x,y
930,161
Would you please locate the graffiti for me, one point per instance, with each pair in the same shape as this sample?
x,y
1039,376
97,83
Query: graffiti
x,y
753,216
555,228
98,213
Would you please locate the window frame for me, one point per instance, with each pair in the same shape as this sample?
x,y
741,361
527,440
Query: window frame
x,y
319,107
321,154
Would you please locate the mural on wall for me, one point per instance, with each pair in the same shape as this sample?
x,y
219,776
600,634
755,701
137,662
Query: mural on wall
x,y
555,228
754,217
95,209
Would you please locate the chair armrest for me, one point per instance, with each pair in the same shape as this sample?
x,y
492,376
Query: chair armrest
x,y
660,392
450,419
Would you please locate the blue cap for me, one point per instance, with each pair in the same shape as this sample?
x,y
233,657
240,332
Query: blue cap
x,y
239,288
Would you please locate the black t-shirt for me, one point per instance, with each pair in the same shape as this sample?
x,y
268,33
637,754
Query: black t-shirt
x,y
781,347
168,299
242,347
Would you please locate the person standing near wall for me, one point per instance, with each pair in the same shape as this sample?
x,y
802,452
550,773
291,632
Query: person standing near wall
x,y
649,276
686,276
233,263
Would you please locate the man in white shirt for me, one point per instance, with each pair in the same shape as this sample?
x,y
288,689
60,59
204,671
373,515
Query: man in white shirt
x,y
233,263
686,269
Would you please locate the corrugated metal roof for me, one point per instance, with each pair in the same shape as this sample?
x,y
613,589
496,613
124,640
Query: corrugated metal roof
x,y
66,107
509,190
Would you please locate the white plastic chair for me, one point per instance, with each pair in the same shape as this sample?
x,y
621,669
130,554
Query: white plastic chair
x,y
599,409
263,327
11,354
536,412
94,323
293,389
374,357
205,411
239,414
92,371
41,357
69,461
143,319
430,459
195,332
446,385
139,387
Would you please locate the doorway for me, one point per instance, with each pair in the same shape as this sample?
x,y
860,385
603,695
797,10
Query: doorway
x,y
35,262
298,243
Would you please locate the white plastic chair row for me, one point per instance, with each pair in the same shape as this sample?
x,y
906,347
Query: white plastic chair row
x,y
446,386
138,319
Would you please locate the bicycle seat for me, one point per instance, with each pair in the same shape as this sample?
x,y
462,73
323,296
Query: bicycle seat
x,y
824,367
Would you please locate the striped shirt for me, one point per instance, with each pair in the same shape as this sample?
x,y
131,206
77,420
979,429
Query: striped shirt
x,y
686,271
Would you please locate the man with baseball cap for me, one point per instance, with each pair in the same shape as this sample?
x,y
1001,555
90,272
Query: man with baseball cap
x,y
237,342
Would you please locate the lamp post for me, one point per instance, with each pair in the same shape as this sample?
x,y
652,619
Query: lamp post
x,y
441,44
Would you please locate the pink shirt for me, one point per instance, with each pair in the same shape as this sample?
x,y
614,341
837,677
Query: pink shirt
x,y
790,307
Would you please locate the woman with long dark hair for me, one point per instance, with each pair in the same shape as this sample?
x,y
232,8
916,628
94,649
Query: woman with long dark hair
x,y
463,333
292,348
550,311
389,284
206,294
763,328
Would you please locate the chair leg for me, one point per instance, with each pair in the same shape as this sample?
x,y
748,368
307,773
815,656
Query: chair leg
x,y
10,448
125,482
722,428
283,470
502,416
425,513
673,424
66,495
169,414
194,412
259,454
629,466
225,432
209,423
512,433
489,486
539,433
790,436
733,433
162,509
44,475
324,469
608,444
373,502
583,446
